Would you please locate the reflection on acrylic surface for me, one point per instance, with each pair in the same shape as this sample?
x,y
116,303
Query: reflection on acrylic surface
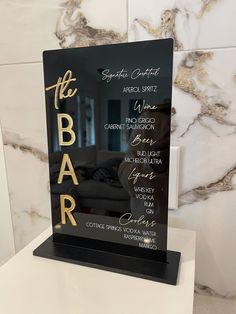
x,y
108,119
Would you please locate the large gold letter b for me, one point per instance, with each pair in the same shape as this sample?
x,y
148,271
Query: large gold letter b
x,y
67,129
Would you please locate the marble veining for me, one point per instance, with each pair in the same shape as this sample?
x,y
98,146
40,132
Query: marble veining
x,y
209,304
204,290
206,7
192,24
166,28
204,126
73,29
215,113
34,215
27,170
191,77
14,140
167,24
225,183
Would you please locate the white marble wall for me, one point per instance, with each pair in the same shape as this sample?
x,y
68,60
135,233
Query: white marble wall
x,y
194,24
22,115
204,125
204,99
205,128
7,247
28,27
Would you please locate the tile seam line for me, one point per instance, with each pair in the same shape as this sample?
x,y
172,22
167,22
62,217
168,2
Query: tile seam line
x,y
176,51
205,49
20,63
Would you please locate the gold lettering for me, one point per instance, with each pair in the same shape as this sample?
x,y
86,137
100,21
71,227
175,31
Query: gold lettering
x,y
61,86
67,162
67,210
67,129
134,175
138,139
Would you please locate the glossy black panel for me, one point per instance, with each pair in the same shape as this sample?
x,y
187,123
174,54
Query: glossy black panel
x,y
120,106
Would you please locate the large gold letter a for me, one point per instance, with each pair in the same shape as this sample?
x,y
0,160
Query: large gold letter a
x,y
66,161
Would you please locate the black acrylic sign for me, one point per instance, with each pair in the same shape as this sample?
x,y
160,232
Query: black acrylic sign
x,y
108,120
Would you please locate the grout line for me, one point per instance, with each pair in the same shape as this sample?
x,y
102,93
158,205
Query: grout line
x,y
127,19
205,49
21,63
175,52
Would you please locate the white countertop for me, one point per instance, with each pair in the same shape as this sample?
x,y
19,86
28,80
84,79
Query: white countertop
x,y
34,285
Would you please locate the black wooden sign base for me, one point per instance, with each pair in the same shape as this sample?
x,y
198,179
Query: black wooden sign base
x,y
110,261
